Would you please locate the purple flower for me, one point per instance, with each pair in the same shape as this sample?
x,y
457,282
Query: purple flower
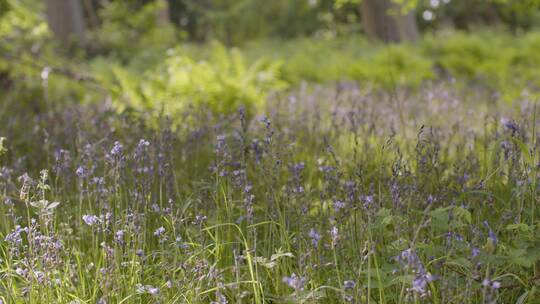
x,y
510,125
81,172
90,220
411,262
143,143
295,282
119,236
315,237
491,284
148,289
21,272
14,237
420,283
349,284
152,290
117,149
491,235
334,233
338,205
159,231
475,252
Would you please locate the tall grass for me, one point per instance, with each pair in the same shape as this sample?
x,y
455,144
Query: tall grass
x,y
330,197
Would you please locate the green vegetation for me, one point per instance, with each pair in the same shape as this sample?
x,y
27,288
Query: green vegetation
x,y
233,152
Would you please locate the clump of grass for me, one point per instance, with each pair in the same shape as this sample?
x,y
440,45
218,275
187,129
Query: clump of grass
x,y
335,195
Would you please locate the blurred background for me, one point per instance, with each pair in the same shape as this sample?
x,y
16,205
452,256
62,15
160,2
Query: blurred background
x,y
165,55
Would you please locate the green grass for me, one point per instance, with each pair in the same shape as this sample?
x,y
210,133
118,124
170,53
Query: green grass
x,y
352,201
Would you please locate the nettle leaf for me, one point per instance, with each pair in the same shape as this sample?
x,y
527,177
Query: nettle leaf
x,y
440,218
522,257
384,218
520,226
463,214
399,244
461,262
387,220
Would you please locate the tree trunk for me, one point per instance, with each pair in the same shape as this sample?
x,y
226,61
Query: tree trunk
x,y
385,21
163,16
66,20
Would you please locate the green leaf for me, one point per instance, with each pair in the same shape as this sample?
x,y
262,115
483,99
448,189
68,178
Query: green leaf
x,y
520,226
440,218
463,214
522,257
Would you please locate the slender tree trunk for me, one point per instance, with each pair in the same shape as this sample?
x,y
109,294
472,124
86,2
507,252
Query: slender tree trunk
x,y
385,21
163,16
91,14
66,20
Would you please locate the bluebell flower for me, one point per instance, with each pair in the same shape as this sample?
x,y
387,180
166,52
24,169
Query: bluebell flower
x,y
117,149
159,231
295,282
90,220
315,237
349,284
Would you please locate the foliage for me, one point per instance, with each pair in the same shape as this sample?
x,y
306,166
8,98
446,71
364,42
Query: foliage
x,y
127,31
145,168
330,198
221,84
502,63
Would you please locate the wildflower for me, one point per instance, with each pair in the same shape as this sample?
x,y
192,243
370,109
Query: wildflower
x,y
117,149
510,125
491,243
119,236
152,290
8,201
420,283
491,284
14,237
147,289
143,143
159,231
295,282
411,262
349,284
21,272
367,200
338,205
81,172
39,276
334,233
199,219
409,259
90,220
475,252
315,237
